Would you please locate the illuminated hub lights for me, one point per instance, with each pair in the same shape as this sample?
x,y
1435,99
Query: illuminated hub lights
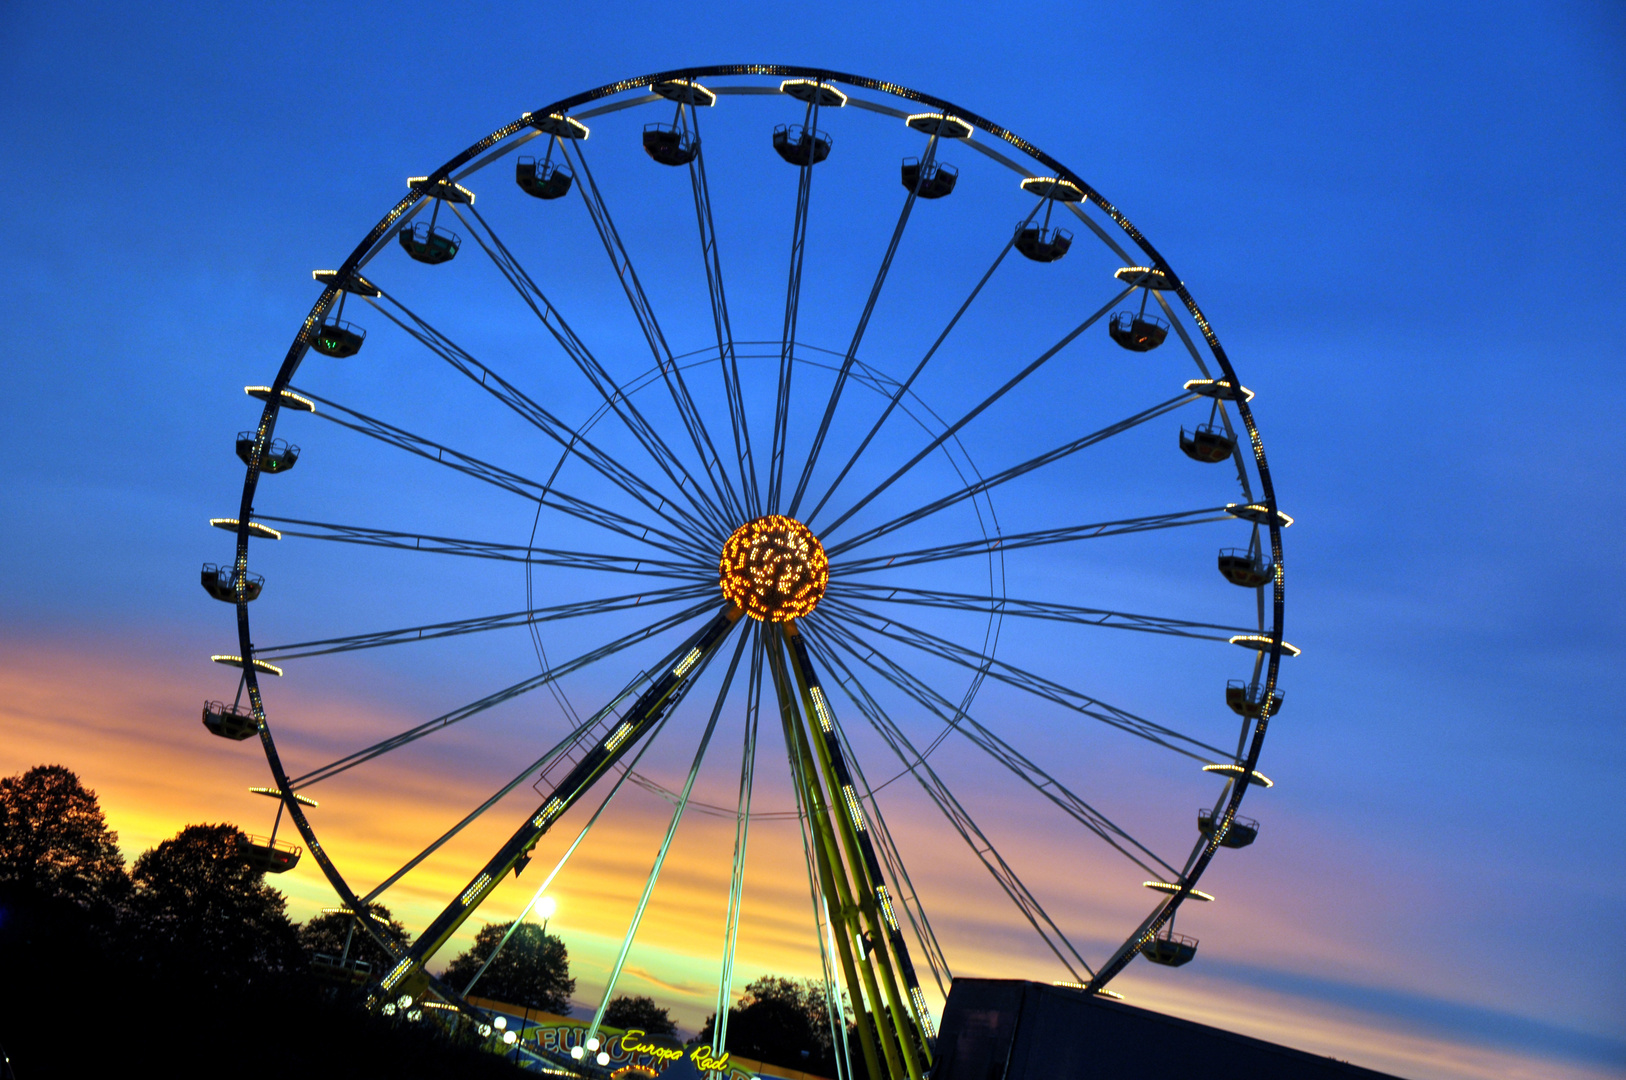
x,y
774,569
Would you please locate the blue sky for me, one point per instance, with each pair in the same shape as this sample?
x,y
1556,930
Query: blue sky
x,y
1402,220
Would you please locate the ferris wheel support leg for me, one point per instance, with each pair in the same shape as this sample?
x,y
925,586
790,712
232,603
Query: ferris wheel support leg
x,y
908,1018
408,976
822,843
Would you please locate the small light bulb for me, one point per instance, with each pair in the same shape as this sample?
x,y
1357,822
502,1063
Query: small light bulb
x,y
404,1000
510,1038
603,1058
576,1052
500,1023
592,1044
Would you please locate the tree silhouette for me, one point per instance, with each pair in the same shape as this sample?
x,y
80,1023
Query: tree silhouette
x,y
55,843
200,912
638,1012
328,932
782,1022
532,970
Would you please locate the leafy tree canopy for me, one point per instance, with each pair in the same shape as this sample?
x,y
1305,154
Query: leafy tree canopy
x,y
54,840
638,1012
780,1021
532,970
198,906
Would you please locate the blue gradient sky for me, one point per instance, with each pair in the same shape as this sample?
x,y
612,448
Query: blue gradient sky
x,y
1403,220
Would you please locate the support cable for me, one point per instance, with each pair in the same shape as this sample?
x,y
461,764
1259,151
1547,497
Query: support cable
x,y
904,387
976,411
863,324
615,397
666,841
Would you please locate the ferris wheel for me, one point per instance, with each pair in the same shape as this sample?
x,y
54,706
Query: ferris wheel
x,y
779,395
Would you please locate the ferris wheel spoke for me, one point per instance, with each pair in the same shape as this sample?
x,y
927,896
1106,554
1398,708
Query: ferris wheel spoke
x,y
896,871
614,396
485,623
671,372
863,324
904,387
1018,763
726,357
1039,461
497,476
742,828
793,302
486,549
1036,538
958,817
573,442
666,842
977,410
1011,675
1034,609
614,733
507,693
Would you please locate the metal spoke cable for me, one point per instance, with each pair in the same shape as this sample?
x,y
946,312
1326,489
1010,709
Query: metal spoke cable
x,y
742,829
1039,461
615,396
671,373
976,411
895,870
1001,751
542,889
863,324
666,841
904,387
1033,609
486,549
793,301
959,818
507,693
1037,538
572,441
483,623
1037,685
726,357
509,481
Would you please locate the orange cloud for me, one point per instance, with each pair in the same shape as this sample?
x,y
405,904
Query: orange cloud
x,y
130,728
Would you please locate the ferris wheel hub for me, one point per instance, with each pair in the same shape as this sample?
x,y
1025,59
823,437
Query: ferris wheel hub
x,y
774,568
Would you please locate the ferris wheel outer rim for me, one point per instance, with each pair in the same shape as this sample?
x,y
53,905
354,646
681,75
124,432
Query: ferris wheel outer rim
x,y
296,352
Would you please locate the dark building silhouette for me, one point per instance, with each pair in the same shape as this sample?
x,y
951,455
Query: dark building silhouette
x,y
1007,1029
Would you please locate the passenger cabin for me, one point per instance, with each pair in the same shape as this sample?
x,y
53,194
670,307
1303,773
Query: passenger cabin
x,y
427,243
235,722
278,457
1170,949
220,582
669,144
338,339
269,856
1041,244
1207,443
799,145
934,182
543,180
1246,567
1243,831
1248,699
1138,332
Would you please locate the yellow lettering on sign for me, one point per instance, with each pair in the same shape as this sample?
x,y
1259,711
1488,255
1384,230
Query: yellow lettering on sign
x,y
701,1056
632,1042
